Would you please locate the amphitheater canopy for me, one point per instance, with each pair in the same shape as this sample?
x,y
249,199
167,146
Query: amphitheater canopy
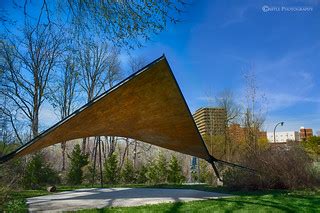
x,y
147,106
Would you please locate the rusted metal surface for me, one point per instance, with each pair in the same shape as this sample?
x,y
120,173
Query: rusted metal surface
x,y
147,106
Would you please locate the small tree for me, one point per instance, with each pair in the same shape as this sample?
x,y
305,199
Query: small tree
x,y
175,171
78,161
128,173
206,173
152,173
157,171
39,173
312,146
142,174
162,169
111,169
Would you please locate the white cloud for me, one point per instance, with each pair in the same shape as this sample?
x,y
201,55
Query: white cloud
x,y
283,100
47,116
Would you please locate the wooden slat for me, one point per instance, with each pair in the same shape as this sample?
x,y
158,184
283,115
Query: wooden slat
x,y
148,107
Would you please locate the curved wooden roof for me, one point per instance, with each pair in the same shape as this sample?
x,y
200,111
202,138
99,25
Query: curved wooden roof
x,y
147,106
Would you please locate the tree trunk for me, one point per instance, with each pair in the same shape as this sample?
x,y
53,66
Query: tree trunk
x,y
112,143
124,154
135,154
35,124
63,147
84,145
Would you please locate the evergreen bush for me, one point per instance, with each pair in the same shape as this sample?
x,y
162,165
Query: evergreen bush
x,y
175,171
111,169
77,161
128,173
39,173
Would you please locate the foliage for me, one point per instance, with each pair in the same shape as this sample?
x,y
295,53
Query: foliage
x,y
131,20
6,148
39,173
141,174
111,169
15,201
203,173
162,169
88,173
206,172
77,161
157,170
175,171
312,146
286,168
128,173
10,182
152,173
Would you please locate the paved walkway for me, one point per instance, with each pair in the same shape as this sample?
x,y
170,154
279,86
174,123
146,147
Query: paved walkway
x,y
107,197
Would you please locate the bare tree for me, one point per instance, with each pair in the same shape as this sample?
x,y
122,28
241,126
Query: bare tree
x,y
254,114
111,144
99,68
125,23
63,93
136,63
225,100
28,63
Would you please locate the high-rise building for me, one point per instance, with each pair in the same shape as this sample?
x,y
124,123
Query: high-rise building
x,y
305,133
210,121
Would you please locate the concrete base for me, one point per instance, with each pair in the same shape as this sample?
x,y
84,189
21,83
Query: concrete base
x,y
111,197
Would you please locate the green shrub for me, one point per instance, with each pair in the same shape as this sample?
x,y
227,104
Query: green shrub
x,y
77,162
175,171
39,173
157,170
152,173
312,146
206,173
142,174
128,173
89,172
162,168
111,169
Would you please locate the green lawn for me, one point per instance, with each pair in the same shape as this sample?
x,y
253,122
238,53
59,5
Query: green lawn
x,y
265,201
271,201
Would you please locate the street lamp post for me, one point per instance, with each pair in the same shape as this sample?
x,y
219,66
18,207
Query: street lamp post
x,y
274,130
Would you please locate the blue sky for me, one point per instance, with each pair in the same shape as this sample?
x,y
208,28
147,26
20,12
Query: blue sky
x,y
219,41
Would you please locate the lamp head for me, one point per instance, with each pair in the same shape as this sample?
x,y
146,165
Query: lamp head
x,y
282,123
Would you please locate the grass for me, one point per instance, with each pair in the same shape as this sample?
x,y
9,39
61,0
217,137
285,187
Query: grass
x,y
260,201
16,200
264,201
